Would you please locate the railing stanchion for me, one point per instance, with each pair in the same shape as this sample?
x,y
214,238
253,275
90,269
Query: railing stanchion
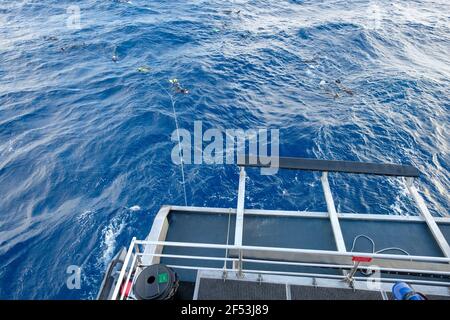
x,y
124,268
437,233
240,209
240,274
337,232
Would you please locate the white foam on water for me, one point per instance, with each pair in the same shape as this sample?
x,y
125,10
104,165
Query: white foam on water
x,y
109,235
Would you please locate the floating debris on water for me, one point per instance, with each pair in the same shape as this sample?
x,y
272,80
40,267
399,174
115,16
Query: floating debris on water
x,y
310,61
344,88
115,57
144,69
328,90
74,46
177,87
333,88
50,38
232,11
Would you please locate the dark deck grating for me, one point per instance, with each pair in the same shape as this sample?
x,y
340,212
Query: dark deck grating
x,y
322,293
217,289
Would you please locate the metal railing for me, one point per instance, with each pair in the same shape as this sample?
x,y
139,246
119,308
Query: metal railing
x,y
325,166
135,255
239,254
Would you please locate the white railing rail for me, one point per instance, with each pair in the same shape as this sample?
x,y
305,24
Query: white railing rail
x,y
305,257
325,166
135,254
292,250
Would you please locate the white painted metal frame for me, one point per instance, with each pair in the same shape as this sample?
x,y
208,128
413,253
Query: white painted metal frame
x,y
153,249
334,216
240,209
158,232
303,264
124,268
309,214
437,234
133,255
337,232
324,253
314,275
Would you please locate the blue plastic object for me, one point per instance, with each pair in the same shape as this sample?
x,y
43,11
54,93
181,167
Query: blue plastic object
x,y
402,291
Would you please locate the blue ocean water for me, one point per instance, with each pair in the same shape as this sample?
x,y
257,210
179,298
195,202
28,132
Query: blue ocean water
x,y
85,141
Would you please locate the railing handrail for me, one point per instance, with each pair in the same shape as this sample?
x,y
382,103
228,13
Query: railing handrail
x,y
304,264
135,243
293,250
382,169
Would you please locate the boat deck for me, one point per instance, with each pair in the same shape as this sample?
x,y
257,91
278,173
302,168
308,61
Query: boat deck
x,y
212,286
240,253
296,230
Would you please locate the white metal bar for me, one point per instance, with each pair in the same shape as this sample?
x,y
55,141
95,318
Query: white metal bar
x,y
337,232
291,250
309,214
202,209
177,256
228,241
384,295
343,266
288,292
317,275
124,268
197,285
128,276
437,234
304,264
240,209
158,232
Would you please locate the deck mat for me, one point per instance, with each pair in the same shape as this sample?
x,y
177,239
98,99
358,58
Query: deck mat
x,y
217,289
323,293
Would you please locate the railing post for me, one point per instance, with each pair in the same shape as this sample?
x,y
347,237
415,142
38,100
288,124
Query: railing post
x,y
124,268
137,249
337,232
350,277
437,234
240,209
240,274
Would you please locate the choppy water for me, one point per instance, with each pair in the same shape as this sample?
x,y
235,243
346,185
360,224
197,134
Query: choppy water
x,y
85,141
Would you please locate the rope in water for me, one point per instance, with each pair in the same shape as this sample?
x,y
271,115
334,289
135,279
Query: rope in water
x,y
179,149
179,142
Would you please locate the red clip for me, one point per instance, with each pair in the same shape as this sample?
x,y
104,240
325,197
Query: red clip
x,y
361,259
